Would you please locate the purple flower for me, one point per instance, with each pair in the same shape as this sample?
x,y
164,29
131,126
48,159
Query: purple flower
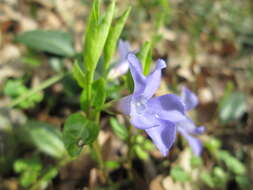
x,y
160,116
123,65
187,127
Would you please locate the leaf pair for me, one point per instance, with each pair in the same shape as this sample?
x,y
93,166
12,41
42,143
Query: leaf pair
x,y
114,35
96,34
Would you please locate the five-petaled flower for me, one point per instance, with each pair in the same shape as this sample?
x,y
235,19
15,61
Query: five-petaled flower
x,y
161,117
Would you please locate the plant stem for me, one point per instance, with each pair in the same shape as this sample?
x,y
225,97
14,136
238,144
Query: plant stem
x,y
97,149
94,115
42,86
89,81
129,153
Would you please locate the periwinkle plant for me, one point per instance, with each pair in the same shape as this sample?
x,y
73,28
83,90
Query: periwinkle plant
x,y
161,117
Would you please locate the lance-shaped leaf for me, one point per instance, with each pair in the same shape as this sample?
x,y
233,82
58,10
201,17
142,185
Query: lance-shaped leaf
x,y
119,129
46,138
145,56
55,42
96,34
78,131
78,74
99,92
232,163
114,34
232,107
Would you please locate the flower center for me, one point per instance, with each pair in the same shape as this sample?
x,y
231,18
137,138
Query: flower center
x,y
139,104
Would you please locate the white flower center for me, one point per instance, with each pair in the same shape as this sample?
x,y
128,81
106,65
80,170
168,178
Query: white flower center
x,y
139,104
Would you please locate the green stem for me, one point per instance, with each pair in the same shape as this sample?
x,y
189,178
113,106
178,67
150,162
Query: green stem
x,y
94,114
129,153
42,86
89,80
97,149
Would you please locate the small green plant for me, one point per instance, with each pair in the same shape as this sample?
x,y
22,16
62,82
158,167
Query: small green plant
x,y
16,88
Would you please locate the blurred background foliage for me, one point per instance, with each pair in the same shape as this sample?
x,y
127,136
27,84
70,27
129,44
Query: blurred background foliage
x,y
208,45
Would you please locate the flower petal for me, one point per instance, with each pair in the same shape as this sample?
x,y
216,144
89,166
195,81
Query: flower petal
x,y
153,79
195,143
136,71
168,102
172,116
144,120
189,99
135,62
163,136
199,130
122,66
119,69
124,105
123,49
188,126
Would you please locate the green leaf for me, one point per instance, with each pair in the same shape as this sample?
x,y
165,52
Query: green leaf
x,y
140,152
207,179
32,59
145,56
114,34
32,100
96,34
148,145
220,177
36,91
119,129
178,174
213,145
130,82
112,164
14,88
196,161
28,178
78,129
78,74
99,93
29,170
243,182
139,139
22,165
84,100
46,137
48,176
232,163
232,107
55,42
